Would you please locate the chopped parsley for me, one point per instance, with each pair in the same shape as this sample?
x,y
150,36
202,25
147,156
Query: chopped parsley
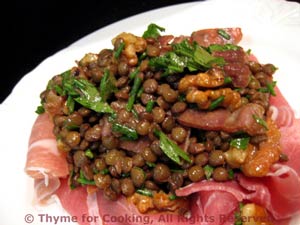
x,y
224,34
217,47
208,171
153,31
107,85
171,149
260,121
119,50
40,109
84,93
184,56
240,143
145,192
269,88
214,104
127,132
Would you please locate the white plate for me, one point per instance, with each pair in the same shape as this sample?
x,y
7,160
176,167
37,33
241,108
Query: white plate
x,y
271,30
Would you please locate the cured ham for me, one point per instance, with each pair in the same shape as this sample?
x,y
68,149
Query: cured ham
x,y
280,110
235,66
135,146
124,213
43,158
206,37
44,162
221,119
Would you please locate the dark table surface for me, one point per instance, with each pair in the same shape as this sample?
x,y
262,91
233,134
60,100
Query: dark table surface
x,y
38,29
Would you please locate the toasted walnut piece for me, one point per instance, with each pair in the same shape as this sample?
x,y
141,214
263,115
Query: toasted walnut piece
x,y
259,163
232,99
236,157
211,79
252,214
133,44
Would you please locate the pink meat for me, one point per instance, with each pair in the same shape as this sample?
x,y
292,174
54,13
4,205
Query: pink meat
x,y
83,206
221,119
74,202
135,146
239,72
129,215
280,110
44,162
207,37
217,212
43,157
278,193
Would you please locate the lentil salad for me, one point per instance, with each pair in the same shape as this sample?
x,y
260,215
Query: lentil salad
x,y
122,117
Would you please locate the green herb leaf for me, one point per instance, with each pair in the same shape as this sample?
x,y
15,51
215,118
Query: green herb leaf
x,y
90,97
171,149
237,215
133,93
119,50
85,93
231,174
134,73
269,88
150,164
89,153
172,197
208,171
260,121
240,143
205,59
107,85
70,180
58,89
68,84
177,170
214,104
216,47
224,34
145,192
227,80
153,31
70,104
128,132
104,171
150,105
185,56
82,180
40,109
101,107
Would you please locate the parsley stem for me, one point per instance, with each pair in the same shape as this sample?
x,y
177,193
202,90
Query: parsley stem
x,y
170,148
223,34
145,192
126,131
133,93
214,104
150,105
119,50
260,121
240,143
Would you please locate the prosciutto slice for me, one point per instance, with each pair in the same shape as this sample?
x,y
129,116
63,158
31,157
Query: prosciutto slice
x,y
207,37
44,162
222,119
